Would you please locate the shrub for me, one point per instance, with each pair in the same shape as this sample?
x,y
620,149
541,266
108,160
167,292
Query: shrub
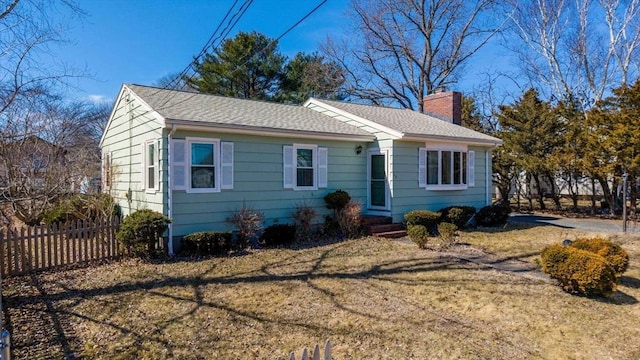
x,y
349,219
303,217
457,215
419,234
248,222
447,234
206,243
426,218
141,230
493,215
337,200
579,271
614,255
81,207
278,234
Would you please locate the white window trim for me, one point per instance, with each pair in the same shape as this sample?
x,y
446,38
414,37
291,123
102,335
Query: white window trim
x,y
440,149
314,154
216,164
146,165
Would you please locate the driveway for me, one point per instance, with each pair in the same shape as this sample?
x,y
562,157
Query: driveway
x,y
594,225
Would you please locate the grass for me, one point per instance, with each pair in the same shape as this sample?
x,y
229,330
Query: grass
x,y
376,299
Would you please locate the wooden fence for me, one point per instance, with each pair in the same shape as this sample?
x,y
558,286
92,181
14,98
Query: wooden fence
x,y
316,353
35,248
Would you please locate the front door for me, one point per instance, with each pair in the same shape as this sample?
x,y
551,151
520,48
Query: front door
x,y
378,183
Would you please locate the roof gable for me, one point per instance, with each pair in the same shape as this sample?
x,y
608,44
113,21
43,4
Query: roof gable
x,y
404,123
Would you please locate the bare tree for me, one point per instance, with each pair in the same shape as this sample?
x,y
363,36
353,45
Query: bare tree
x,y
51,152
401,50
576,49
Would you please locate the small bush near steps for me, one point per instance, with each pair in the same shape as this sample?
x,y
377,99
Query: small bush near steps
x,y
579,271
447,234
426,218
457,215
419,235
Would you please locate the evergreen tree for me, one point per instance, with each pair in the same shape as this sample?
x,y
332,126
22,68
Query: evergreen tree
x,y
613,145
310,75
533,133
248,66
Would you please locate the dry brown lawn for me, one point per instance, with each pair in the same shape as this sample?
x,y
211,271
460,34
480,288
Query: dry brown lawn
x,y
375,299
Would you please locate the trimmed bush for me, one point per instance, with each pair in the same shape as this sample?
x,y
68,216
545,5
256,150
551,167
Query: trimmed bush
x,y
278,234
615,256
206,243
141,231
447,234
579,271
493,215
337,200
457,215
426,218
419,235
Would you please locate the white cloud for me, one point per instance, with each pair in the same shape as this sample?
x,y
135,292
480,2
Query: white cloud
x,y
98,99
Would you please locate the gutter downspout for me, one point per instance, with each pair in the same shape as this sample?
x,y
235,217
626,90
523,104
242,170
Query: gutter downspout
x,y
174,128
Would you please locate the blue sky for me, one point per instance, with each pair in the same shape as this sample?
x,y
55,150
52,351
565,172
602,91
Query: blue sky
x,y
141,41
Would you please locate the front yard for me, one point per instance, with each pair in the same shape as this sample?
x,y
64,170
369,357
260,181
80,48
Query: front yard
x,y
374,299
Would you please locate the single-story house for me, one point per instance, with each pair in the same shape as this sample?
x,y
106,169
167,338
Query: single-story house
x,y
197,158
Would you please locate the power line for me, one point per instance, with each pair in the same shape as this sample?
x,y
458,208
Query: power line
x,y
239,67
228,29
212,39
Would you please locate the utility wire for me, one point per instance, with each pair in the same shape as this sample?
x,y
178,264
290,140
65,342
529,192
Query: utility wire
x,y
233,21
230,27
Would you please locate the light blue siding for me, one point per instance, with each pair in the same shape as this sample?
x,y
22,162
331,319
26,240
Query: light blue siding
x,y
258,183
407,195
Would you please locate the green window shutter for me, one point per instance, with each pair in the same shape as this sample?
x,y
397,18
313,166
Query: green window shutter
x,y
226,165
287,166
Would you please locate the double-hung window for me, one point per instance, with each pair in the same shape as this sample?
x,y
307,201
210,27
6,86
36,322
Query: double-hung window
x,y
305,167
150,166
204,165
201,165
445,168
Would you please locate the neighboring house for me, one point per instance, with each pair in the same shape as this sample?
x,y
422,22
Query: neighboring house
x,y
25,163
197,158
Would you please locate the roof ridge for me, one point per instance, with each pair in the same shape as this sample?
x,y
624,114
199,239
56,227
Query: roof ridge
x,y
212,95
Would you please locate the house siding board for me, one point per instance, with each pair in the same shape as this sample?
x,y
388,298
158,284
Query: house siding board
x,y
127,156
258,182
407,196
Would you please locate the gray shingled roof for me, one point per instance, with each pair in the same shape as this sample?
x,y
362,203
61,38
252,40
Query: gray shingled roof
x,y
181,106
412,123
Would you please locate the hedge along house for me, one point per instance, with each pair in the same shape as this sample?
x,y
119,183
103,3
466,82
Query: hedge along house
x,y
198,158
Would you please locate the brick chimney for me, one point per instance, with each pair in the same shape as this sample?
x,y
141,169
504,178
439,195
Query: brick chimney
x,y
445,105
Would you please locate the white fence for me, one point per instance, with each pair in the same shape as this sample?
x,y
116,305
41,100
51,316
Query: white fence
x,y
316,353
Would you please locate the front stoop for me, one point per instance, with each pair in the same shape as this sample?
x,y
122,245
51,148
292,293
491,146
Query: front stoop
x,y
383,226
